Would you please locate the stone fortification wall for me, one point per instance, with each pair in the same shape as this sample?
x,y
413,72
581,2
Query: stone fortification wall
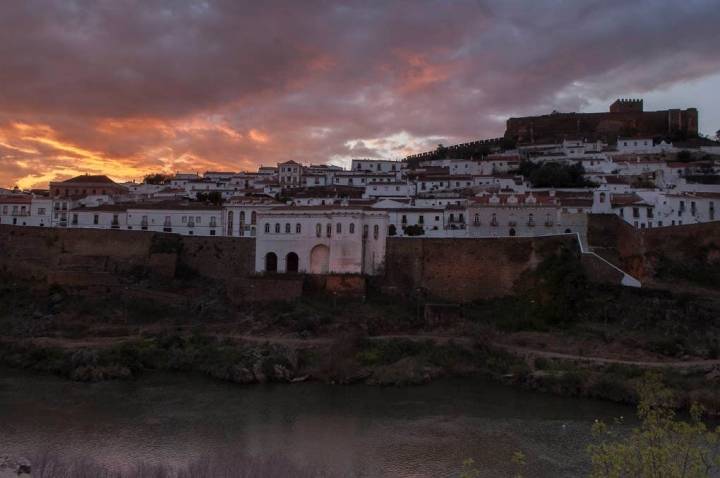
x,y
78,256
604,126
657,256
463,270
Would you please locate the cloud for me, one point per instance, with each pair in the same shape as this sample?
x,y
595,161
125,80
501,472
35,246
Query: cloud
x,y
134,87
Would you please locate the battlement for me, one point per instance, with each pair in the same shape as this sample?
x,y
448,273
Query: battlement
x,y
623,105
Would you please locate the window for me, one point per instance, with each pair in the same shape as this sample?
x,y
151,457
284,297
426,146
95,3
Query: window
x,y
476,220
267,228
230,223
328,230
649,213
366,230
253,217
96,219
352,228
242,217
184,219
636,212
197,219
461,218
376,231
421,219
404,219
277,228
318,230
338,228
288,228
41,210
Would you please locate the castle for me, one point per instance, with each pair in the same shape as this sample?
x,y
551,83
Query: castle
x,y
626,118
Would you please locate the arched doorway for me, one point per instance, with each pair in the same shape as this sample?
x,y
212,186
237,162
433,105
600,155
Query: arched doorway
x,y
292,262
567,231
270,262
320,259
512,231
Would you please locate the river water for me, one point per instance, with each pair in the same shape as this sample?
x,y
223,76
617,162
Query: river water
x,y
424,431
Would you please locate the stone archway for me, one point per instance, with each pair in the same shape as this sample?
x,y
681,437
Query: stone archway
x,y
320,259
292,262
271,262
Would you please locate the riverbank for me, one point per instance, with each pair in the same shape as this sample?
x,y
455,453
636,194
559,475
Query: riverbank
x,y
379,361
563,336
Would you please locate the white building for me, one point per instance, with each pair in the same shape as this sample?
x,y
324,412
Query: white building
x,y
319,240
389,189
290,174
241,215
376,165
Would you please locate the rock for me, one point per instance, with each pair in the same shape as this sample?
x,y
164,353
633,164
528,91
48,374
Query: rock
x,y
281,373
406,371
14,468
258,372
240,374
713,375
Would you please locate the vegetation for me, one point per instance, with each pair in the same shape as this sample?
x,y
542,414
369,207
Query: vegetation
x,y
662,446
554,175
697,269
212,197
414,230
157,178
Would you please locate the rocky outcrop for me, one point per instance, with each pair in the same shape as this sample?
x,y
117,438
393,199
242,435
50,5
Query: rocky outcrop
x,y
14,467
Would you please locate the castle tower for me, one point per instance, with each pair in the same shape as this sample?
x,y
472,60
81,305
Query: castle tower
x,y
627,106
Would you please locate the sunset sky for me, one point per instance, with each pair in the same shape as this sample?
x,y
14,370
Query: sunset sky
x,y
132,87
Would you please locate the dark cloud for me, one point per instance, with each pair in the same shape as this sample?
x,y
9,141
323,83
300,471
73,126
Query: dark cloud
x,y
142,83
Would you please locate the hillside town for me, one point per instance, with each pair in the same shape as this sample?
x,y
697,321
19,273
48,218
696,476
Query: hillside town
x,y
537,180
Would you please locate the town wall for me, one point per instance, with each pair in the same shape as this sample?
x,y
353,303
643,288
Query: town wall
x,y
75,256
640,252
464,270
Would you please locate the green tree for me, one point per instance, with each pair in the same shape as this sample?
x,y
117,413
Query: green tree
x,y
157,178
662,446
414,230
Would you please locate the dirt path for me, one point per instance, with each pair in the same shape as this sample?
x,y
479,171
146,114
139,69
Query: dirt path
x,y
525,352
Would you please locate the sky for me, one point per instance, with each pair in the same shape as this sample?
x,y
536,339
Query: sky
x,y
131,87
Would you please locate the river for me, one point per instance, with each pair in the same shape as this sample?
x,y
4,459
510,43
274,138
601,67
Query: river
x,y
362,431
